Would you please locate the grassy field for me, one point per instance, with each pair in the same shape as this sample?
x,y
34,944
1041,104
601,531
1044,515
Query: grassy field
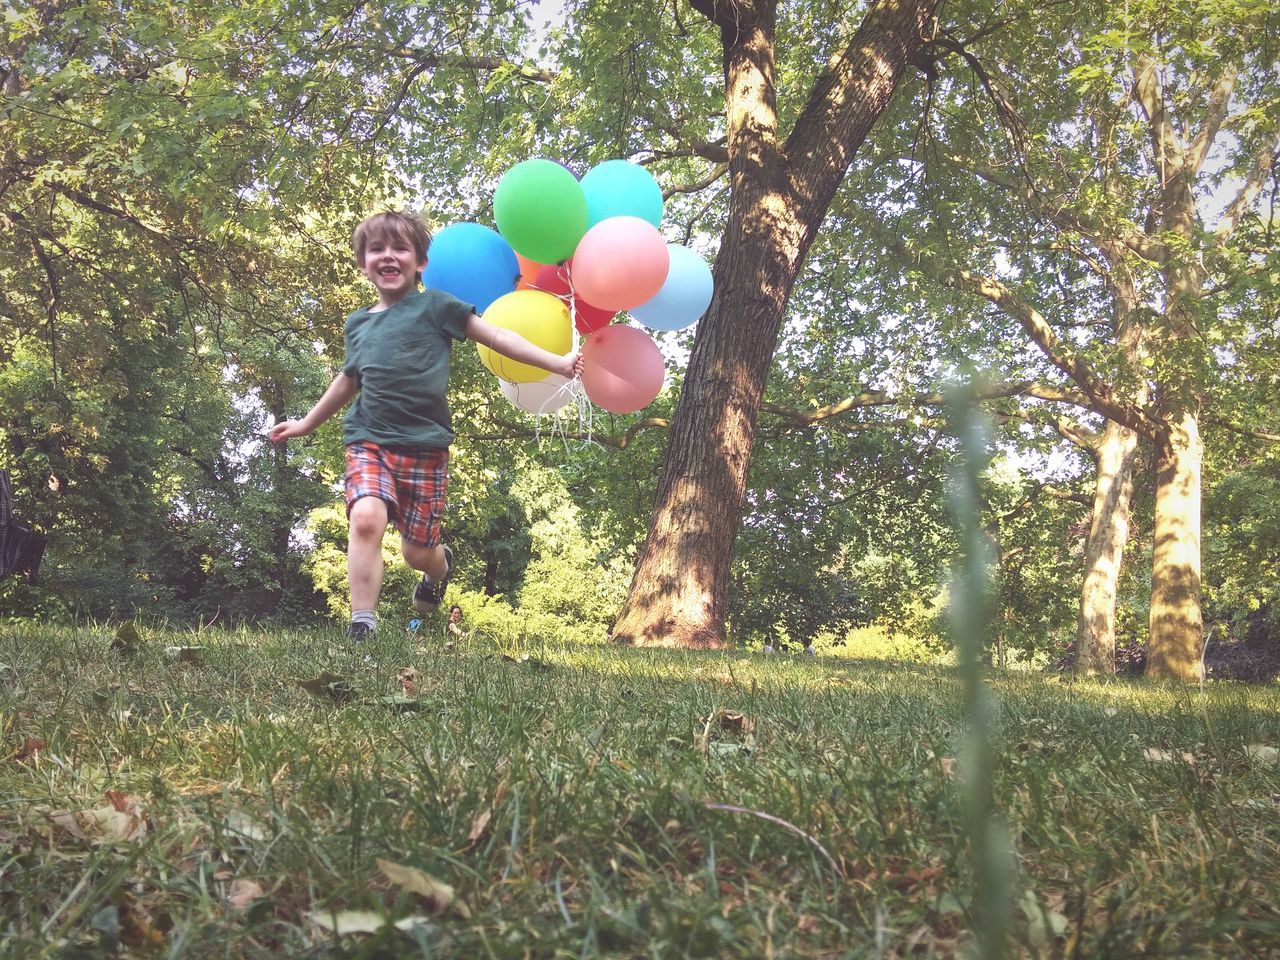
x,y
419,801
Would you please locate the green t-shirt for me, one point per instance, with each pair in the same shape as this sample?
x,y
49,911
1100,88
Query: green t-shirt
x,y
399,359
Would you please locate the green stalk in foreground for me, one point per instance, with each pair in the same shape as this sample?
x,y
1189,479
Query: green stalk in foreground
x,y
970,610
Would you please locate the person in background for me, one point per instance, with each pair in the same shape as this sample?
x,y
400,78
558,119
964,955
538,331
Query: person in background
x,y
453,626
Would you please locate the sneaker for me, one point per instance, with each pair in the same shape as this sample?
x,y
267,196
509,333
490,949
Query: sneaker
x,y
360,632
429,593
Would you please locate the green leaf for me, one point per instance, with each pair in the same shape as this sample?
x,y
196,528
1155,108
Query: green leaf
x,y
329,686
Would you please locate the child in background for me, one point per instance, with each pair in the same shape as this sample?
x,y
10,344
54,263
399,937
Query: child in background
x,y
397,432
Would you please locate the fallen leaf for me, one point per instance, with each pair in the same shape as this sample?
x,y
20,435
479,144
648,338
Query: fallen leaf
x,y
596,735
65,821
113,824
416,926
101,824
408,680
126,641
1262,753
137,926
1157,755
242,893
732,721
124,802
240,823
437,894
1044,925
30,747
329,686
479,826
348,922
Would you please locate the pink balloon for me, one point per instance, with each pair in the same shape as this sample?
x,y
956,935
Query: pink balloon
x,y
622,368
620,263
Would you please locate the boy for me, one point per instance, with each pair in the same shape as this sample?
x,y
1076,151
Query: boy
x,y
397,433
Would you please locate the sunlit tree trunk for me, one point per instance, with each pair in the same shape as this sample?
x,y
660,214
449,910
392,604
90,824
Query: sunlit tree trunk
x,y
1177,627
779,196
1104,550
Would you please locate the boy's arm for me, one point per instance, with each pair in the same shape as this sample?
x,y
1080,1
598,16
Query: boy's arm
x,y
335,398
515,347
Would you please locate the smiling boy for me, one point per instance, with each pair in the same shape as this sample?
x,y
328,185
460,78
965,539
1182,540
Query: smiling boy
x,y
398,430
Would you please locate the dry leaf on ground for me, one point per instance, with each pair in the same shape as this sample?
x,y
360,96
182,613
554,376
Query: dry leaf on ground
x,y
1158,755
479,827
438,895
242,893
329,686
407,677
1262,753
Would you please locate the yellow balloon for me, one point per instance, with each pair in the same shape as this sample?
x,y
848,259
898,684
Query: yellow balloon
x,y
541,318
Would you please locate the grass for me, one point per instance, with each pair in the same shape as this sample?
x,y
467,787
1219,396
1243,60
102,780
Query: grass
x,y
597,802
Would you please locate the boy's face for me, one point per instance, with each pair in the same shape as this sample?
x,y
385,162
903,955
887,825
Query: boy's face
x,y
392,266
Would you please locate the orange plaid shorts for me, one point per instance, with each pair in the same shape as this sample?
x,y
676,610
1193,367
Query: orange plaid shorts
x,y
412,482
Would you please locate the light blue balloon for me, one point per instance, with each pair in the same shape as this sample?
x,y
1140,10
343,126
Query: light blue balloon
x,y
619,188
684,296
473,263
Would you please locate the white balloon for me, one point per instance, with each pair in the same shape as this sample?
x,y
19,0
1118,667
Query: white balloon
x,y
544,396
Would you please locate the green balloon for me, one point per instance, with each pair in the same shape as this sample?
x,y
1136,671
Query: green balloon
x,y
540,210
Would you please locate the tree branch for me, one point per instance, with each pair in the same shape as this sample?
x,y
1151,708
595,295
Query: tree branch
x,y
1263,162
1215,113
1099,393
428,61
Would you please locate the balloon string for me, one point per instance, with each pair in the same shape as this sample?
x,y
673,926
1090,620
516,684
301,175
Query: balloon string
x,y
578,396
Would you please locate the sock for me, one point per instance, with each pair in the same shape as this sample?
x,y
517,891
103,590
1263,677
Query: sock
x,y
366,617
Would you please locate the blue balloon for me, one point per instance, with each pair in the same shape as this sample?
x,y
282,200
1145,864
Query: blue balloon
x,y
684,296
619,188
473,263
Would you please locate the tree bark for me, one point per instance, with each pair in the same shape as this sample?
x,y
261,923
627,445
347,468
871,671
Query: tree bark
x,y
1177,626
1176,621
779,195
1104,550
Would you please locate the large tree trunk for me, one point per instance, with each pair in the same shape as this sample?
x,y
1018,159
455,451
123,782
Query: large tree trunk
x,y
1114,453
1104,550
779,196
1177,630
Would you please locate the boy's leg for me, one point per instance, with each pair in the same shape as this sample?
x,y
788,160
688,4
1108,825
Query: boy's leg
x,y
428,560
422,480
368,522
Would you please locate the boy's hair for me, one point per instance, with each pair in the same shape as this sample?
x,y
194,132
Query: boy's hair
x,y
391,225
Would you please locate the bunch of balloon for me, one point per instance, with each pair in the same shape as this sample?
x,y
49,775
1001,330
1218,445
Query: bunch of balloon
x,y
595,245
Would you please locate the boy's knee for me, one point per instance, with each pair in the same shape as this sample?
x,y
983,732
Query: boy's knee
x,y
368,517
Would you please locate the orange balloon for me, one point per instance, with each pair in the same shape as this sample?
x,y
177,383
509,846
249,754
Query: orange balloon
x,y
528,273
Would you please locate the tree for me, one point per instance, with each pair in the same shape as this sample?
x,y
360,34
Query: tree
x,y
780,189
1115,171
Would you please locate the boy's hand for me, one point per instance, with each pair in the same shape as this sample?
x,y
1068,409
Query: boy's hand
x,y
285,429
572,365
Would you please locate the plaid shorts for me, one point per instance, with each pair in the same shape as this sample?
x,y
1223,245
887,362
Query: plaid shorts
x,y
412,482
